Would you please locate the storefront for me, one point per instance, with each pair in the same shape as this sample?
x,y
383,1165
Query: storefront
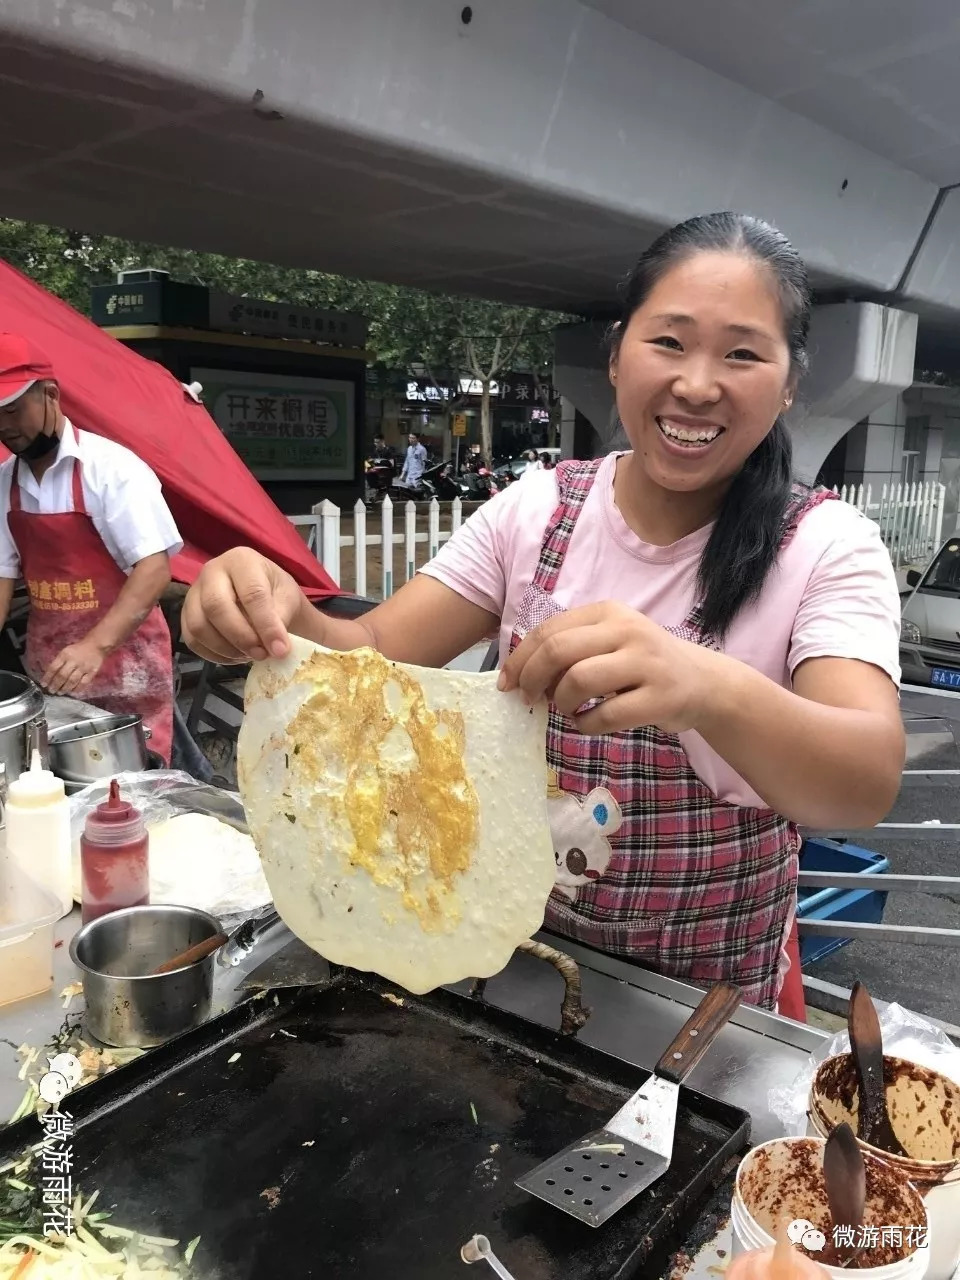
x,y
285,384
525,412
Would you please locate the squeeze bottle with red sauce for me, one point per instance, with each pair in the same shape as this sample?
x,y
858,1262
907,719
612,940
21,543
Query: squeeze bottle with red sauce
x,y
114,859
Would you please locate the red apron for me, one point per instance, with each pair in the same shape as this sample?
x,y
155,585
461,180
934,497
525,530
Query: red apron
x,y
73,581
650,863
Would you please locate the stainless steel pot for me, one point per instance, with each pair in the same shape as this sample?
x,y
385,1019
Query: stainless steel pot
x,y
115,954
101,748
23,726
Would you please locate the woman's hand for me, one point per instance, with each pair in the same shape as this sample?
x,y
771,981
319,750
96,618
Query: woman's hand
x,y
757,1265
240,608
644,675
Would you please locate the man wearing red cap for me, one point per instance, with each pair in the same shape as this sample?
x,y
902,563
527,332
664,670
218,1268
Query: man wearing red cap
x,y
89,532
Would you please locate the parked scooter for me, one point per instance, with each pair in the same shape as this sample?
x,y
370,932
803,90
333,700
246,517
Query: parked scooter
x,y
474,486
446,483
422,491
379,478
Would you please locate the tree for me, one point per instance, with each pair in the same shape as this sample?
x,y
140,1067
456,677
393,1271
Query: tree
x,y
441,337
488,355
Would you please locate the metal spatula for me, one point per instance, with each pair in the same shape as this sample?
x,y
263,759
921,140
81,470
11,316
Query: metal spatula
x,y
866,1047
597,1175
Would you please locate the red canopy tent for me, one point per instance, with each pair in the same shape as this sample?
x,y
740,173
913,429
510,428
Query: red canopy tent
x,y
108,389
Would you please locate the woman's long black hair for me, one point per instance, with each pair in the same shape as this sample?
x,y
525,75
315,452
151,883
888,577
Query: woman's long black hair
x,y
743,545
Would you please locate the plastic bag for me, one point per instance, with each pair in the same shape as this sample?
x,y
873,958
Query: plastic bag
x,y
159,794
905,1035
216,870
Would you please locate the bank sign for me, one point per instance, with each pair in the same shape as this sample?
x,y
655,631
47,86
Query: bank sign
x,y
284,428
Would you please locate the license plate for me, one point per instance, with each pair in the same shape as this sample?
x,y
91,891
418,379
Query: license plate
x,y
946,679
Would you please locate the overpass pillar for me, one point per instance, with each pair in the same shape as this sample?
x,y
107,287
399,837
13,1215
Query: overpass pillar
x,y
861,356
580,374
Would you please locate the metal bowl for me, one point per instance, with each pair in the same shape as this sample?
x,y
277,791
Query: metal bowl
x,y
23,724
126,1005
92,749
73,786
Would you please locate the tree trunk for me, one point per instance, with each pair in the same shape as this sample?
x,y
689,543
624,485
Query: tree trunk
x,y
486,423
446,448
553,427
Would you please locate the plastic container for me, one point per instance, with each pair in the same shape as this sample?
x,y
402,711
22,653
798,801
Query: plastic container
x,y
865,906
114,858
38,831
782,1181
924,1109
27,917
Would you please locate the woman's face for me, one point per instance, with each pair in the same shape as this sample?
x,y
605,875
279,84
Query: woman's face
x,y
703,370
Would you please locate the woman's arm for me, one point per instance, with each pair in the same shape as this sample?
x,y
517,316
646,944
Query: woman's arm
x,y
244,607
425,623
828,754
828,751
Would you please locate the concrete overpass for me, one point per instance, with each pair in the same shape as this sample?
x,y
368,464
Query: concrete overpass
x,y
524,150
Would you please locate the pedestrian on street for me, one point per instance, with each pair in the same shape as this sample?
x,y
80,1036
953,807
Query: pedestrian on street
x,y
415,462
87,528
718,644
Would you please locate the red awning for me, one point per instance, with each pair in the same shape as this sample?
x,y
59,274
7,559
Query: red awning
x,y
108,389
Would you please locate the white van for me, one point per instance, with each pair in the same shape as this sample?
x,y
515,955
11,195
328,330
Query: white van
x,y
930,621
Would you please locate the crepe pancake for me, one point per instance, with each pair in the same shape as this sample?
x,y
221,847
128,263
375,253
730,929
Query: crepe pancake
x,y
400,812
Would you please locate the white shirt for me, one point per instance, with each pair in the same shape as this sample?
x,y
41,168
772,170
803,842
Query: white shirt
x,y
122,496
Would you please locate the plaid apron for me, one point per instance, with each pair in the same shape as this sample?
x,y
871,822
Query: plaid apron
x,y
650,864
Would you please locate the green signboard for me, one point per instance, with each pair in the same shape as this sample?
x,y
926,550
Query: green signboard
x,y
284,427
120,304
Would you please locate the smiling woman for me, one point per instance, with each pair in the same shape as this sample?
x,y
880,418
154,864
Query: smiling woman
x,y
718,646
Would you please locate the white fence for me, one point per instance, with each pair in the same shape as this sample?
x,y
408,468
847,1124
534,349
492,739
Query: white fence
x,y
910,517
326,539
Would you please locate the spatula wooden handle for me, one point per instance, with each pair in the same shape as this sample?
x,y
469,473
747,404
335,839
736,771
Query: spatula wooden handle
x,y
699,1031
198,952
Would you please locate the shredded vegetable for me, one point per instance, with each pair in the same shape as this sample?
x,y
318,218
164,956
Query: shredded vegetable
x,y
96,1249
95,1062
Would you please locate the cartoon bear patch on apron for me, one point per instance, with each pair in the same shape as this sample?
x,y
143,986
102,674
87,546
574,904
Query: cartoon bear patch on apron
x,y
581,829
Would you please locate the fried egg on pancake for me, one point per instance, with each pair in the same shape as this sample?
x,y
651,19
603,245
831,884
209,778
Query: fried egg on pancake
x,y
400,812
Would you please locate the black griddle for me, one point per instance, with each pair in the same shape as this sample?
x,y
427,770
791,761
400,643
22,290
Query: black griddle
x,y
357,1137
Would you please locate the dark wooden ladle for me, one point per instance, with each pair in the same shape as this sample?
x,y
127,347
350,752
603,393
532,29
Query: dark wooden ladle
x,y
846,1182
199,951
866,1047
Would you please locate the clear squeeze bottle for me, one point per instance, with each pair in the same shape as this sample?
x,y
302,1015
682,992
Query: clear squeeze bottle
x,y
38,831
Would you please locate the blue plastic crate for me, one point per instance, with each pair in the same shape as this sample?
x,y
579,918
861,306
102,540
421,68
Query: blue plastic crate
x,y
857,905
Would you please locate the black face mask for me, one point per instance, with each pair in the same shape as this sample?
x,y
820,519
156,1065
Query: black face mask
x,y
41,445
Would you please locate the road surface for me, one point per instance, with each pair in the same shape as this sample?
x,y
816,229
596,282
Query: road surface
x,y
921,977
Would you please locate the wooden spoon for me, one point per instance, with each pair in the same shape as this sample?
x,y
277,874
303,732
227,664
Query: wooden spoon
x,y
866,1046
846,1182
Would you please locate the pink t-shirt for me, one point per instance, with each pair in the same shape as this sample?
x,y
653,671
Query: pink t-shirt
x,y
833,592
